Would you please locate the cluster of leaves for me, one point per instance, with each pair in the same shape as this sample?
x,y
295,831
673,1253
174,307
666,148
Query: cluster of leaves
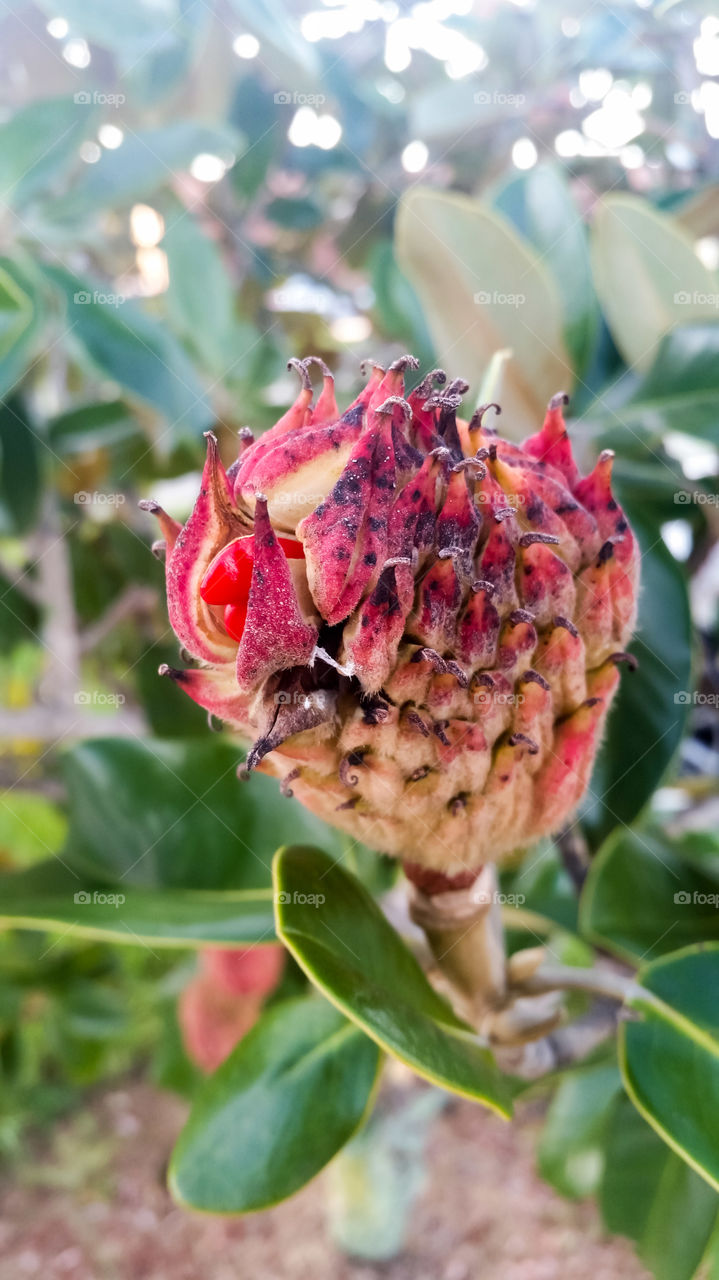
x,y
104,390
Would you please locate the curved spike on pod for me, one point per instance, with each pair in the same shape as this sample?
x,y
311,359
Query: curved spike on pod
x,y
246,438
213,523
215,689
292,715
458,523
426,386
395,402
476,422
276,635
296,417
551,445
171,529
326,408
392,384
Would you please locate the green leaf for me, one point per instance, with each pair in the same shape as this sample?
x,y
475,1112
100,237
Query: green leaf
x,y
173,814
146,160
541,207
137,351
341,940
681,389
15,313
641,897
276,25
647,275
20,481
646,722
570,1152
46,897
286,1100
124,25
24,319
669,1057
92,426
31,826
39,142
200,295
484,289
652,1196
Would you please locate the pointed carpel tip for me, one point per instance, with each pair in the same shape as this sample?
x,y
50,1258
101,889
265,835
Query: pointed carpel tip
x,y
476,421
150,505
173,672
403,362
391,402
300,368
559,400
322,365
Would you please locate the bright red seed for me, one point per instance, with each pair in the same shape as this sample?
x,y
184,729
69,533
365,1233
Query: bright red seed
x,y
228,578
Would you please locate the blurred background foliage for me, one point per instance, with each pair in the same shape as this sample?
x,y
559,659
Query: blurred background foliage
x,y
191,192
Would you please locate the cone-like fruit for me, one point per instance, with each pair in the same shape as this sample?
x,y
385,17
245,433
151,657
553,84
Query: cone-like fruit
x,y
417,622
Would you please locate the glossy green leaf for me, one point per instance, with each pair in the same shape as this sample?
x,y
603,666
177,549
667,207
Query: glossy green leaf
x,y
540,205
570,1153
54,896
38,142
15,313
24,319
647,275
642,899
681,390
146,160
174,814
669,1056
20,481
646,722
92,426
339,936
483,289
138,352
286,1100
200,296
649,1194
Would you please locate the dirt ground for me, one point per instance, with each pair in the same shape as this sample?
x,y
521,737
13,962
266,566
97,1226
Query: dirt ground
x,y
91,1205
